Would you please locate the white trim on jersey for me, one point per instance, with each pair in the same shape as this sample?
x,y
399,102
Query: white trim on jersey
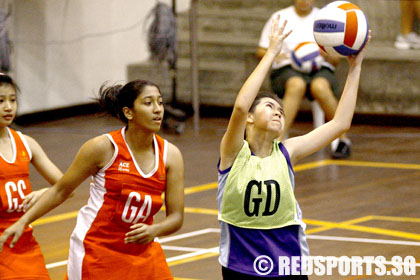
x,y
114,156
86,217
85,220
165,151
151,173
12,139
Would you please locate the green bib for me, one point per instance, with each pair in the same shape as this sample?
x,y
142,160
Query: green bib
x,y
258,192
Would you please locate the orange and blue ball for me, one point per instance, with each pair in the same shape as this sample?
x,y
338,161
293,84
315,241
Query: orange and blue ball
x,y
341,28
306,57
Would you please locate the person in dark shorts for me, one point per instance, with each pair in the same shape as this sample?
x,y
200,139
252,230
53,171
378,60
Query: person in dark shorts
x,y
290,84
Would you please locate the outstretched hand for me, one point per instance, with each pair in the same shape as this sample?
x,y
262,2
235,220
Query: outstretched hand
x,y
31,198
358,58
277,35
15,230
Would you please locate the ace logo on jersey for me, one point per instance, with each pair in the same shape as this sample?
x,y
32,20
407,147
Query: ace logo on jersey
x,y
124,166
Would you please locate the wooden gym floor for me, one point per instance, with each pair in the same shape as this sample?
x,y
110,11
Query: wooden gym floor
x,y
368,205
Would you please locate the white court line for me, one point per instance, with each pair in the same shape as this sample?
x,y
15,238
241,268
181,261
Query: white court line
x,y
189,234
56,264
198,251
178,248
193,254
168,239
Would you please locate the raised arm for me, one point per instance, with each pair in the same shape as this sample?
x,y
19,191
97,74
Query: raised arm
x,y
300,147
90,158
233,139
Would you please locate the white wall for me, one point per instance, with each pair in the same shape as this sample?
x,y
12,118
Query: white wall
x,y
63,50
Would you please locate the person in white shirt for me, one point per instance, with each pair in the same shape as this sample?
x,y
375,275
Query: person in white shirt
x,y
291,85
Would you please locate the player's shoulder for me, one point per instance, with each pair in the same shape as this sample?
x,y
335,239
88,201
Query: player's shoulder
x,y
28,140
174,156
172,149
98,144
98,151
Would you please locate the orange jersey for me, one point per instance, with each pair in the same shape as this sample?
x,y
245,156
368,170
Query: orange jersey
x,y
120,195
25,260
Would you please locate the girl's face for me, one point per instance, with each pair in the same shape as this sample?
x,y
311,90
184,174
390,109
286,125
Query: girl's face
x,y
147,111
8,105
268,115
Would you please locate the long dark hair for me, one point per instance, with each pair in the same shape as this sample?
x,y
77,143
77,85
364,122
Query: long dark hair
x,y
7,80
112,99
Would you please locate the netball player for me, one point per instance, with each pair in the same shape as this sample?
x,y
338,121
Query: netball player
x,y
258,212
17,151
131,168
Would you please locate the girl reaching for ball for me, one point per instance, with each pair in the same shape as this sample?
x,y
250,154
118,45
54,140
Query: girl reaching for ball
x,y
258,213
293,86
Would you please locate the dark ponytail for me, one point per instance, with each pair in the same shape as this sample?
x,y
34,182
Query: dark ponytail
x,y
107,100
112,99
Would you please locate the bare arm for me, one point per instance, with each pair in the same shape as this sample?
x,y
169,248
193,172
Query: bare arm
x,y
300,147
44,166
42,162
261,52
174,194
174,202
90,158
233,139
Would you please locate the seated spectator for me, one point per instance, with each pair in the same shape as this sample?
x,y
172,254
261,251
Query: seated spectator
x,y
408,39
292,86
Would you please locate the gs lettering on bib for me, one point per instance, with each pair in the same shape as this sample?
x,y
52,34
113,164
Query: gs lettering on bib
x,y
258,192
137,204
14,178
13,190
